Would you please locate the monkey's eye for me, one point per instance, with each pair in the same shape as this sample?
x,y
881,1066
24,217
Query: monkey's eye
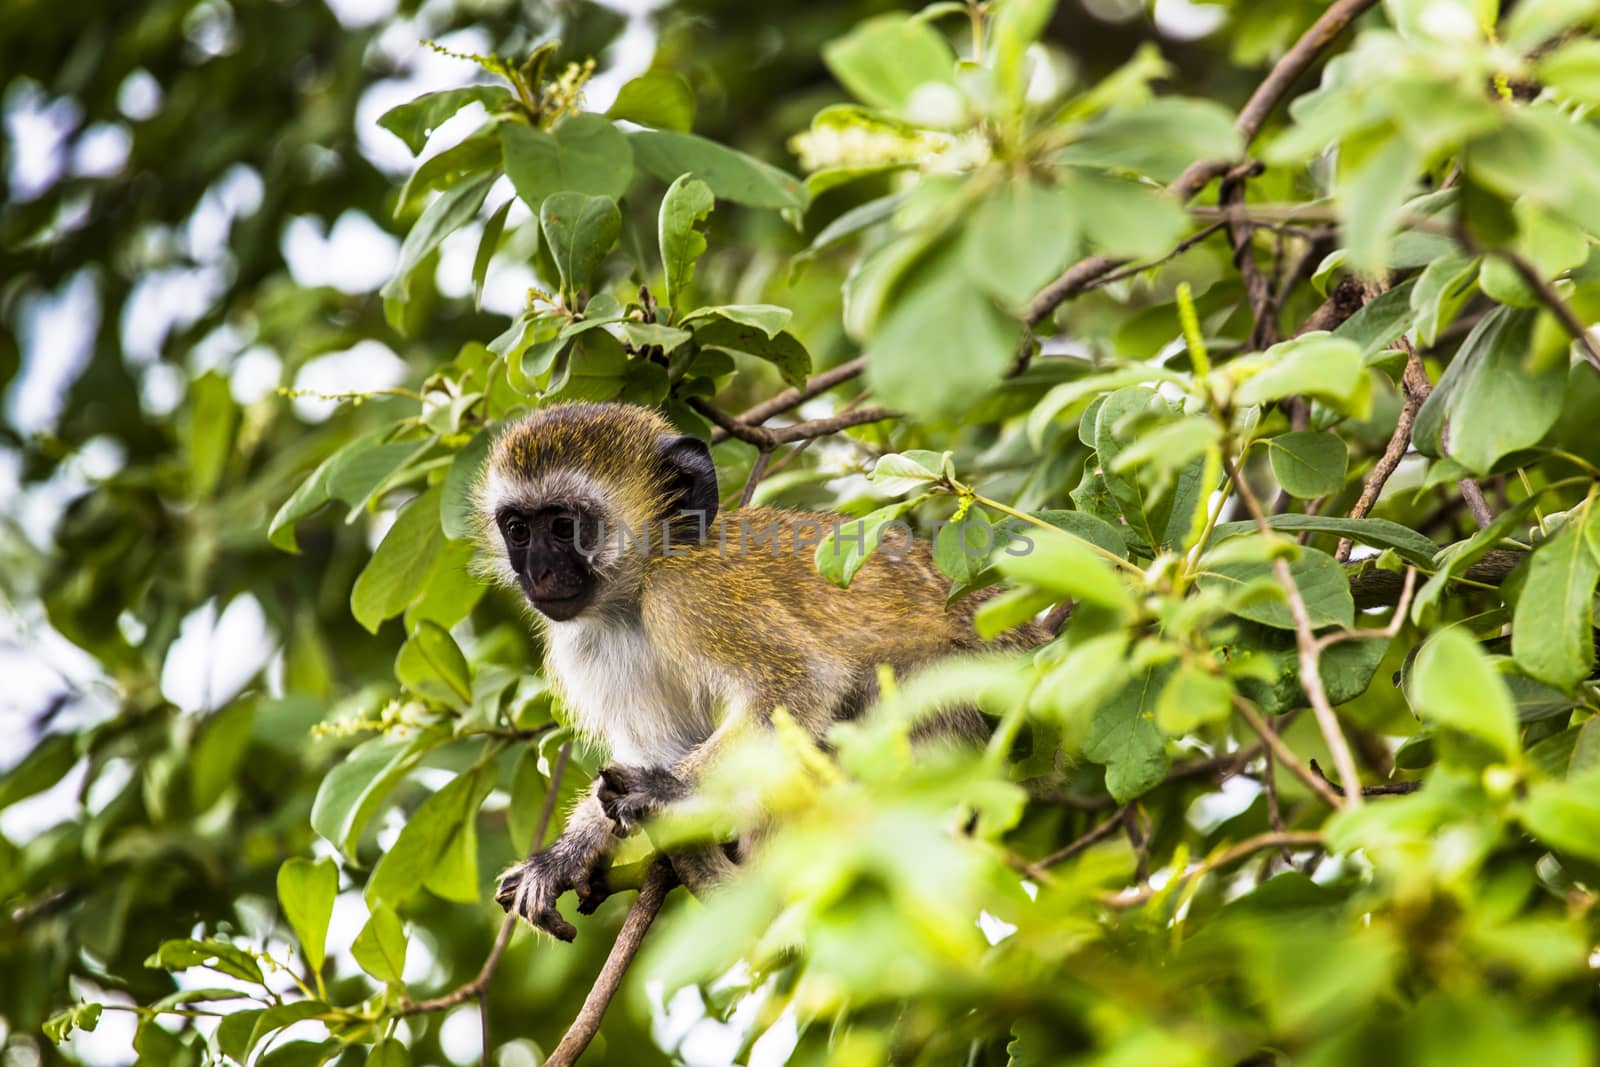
x,y
518,533
564,528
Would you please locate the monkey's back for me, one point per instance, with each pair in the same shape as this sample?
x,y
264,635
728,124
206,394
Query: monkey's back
x,y
793,636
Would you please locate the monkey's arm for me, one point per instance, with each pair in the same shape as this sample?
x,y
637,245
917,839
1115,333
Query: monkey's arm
x,y
577,861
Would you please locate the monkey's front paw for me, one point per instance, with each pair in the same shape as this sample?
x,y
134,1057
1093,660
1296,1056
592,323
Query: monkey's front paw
x,y
530,890
630,795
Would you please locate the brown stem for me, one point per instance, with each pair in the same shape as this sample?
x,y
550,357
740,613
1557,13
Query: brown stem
x,y
1285,755
1251,118
1241,236
657,883
1551,299
508,925
767,440
1250,845
1306,639
1415,389
793,398
1093,836
757,469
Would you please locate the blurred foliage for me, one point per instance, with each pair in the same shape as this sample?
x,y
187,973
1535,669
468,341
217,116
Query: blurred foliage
x,y
1122,875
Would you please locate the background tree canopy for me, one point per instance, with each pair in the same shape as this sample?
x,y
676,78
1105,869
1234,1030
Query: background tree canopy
x,y
1264,322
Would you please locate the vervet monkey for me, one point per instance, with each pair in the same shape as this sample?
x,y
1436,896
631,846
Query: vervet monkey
x,y
665,623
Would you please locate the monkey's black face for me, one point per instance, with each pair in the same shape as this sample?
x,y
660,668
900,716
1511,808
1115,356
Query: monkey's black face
x,y
549,549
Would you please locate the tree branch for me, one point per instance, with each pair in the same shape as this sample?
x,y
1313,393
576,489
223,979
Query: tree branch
x,y
1414,388
1306,640
1284,753
657,883
508,925
1076,278
793,398
1131,898
768,439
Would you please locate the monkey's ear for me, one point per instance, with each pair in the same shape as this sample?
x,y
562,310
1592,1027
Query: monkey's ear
x,y
694,479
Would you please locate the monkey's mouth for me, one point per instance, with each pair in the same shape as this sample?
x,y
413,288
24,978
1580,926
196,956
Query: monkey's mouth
x,y
560,608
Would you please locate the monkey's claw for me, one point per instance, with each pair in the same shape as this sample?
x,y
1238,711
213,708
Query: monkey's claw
x,y
629,795
530,890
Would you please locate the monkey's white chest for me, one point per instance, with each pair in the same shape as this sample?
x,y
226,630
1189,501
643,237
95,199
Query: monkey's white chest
x,y
622,692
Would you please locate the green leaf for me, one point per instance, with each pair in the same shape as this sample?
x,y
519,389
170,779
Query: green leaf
x,y
770,319
1191,698
1573,70
426,840
1381,321
1379,533
450,210
1375,181
585,154
1124,737
1256,594
488,244
458,517
1498,404
782,351
380,947
1020,237
1316,364
350,793
306,890
898,473
687,203
42,767
181,954
1566,815
389,1053
208,439
1066,567
655,335
1269,668
528,789
415,121
959,553
1552,632
217,754
1123,217
1453,683
1119,426
659,98
431,664
731,174
885,59
941,344
843,551
1158,138
394,575
579,230
1443,289
477,154
349,475
1308,464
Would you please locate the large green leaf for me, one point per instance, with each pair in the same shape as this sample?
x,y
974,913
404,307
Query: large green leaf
x,y
659,98
1158,138
731,174
1120,423
1123,736
1308,463
1065,566
843,551
782,350
1020,237
380,947
585,154
426,842
1256,594
1316,364
306,890
578,230
885,59
1379,533
351,793
1499,404
414,122
450,210
394,575
1454,683
688,202
1552,632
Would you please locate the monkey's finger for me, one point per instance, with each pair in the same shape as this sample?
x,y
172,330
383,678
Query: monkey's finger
x,y
550,921
593,891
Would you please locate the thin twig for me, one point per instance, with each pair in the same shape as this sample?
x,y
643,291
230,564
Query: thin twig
x,y
657,883
1551,299
1251,118
1386,789
757,469
508,925
1283,752
1414,389
1093,836
769,439
792,398
1130,898
1306,639
1472,493
1408,586
1177,250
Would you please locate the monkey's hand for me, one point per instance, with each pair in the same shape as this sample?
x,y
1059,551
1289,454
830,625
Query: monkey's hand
x,y
530,889
630,795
